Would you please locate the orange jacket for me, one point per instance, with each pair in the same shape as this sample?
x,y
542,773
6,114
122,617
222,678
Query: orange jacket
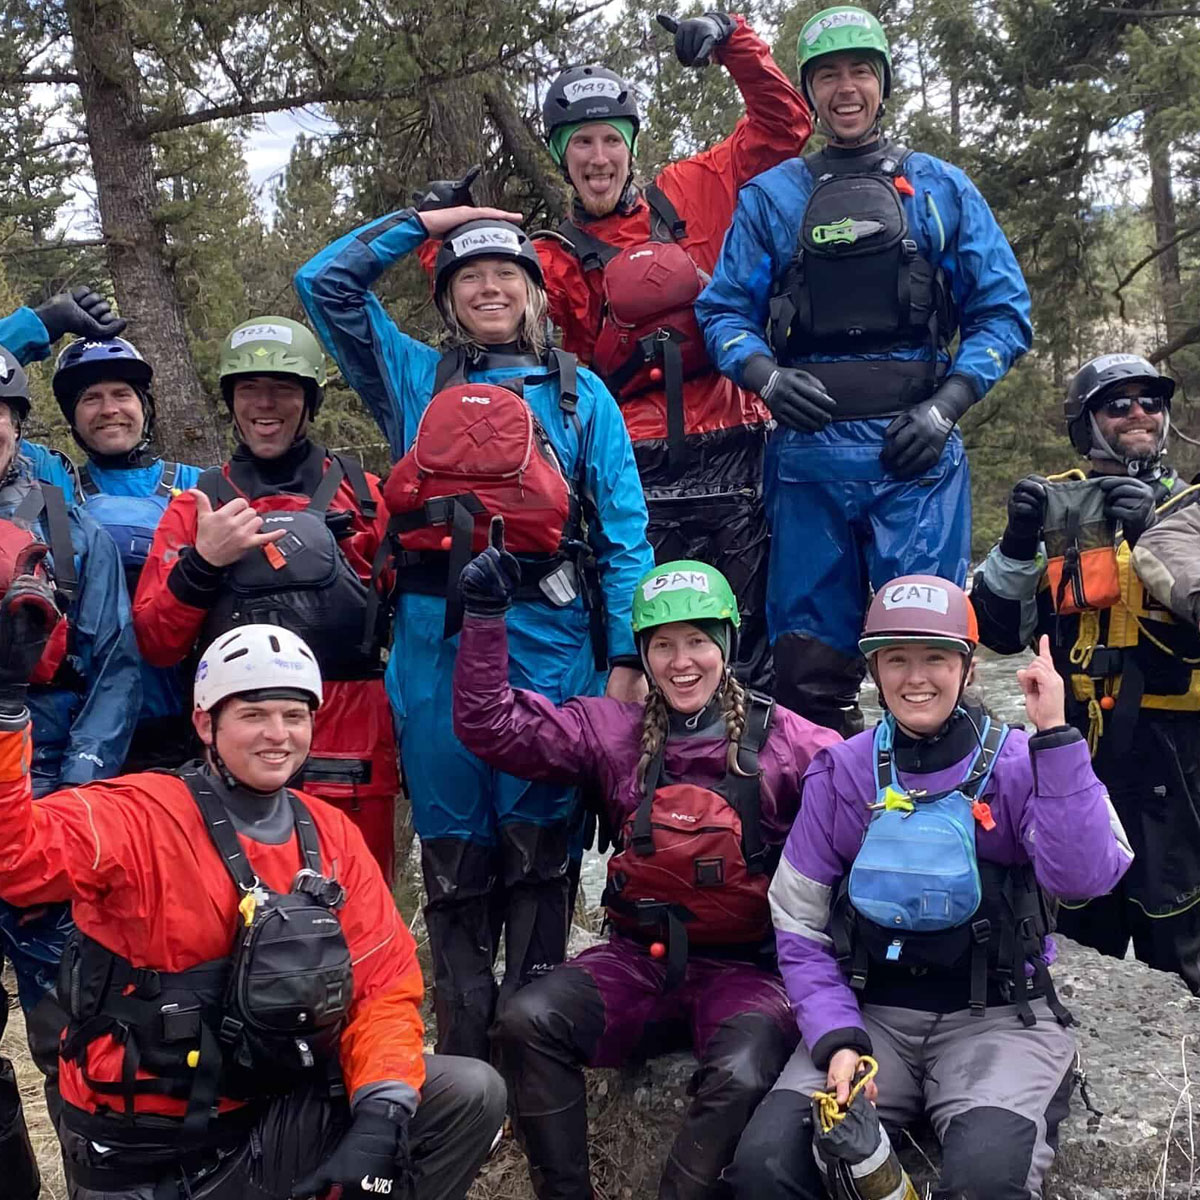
x,y
134,857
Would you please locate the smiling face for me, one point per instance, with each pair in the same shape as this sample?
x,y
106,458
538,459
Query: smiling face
x,y
263,743
846,93
269,412
920,684
1135,434
489,296
10,435
686,665
598,163
109,417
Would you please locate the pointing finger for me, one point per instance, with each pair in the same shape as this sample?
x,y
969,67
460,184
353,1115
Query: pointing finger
x,y
667,22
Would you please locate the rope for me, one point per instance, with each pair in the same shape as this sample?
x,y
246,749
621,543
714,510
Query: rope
x,y
828,1109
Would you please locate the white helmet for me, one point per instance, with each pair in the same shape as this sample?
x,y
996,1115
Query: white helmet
x,y
256,658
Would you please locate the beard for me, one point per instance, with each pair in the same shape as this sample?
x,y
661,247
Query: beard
x,y
599,206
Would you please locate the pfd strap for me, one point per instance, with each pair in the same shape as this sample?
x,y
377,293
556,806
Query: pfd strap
x,y
328,487
166,481
87,484
354,472
61,547
664,210
214,484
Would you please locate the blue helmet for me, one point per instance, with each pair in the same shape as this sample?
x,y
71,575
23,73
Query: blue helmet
x,y
85,362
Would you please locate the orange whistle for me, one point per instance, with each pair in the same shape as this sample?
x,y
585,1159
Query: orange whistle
x,y
275,556
656,374
983,814
1108,703
903,186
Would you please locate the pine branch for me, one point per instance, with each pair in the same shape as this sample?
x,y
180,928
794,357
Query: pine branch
x,y
29,78
48,247
1157,252
1151,12
1189,337
530,159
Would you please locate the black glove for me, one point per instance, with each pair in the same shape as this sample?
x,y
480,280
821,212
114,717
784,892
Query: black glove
x,y
447,193
370,1161
1026,516
1129,501
83,311
796,398
28,615
490,580
696,37
913,442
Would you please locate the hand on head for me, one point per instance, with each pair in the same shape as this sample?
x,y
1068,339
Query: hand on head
x,y
441,220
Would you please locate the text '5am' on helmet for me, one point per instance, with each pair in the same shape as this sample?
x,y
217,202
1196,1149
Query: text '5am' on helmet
x,y
14,385
1093,382
683,591
273,346
920,609
838,30
484,238
84,362
269,661
588,93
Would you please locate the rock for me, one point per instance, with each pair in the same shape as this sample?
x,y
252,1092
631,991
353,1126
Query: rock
x,y
1139,1040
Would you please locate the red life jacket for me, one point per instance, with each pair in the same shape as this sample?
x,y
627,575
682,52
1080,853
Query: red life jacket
x,y
649,337
21,553
481,452
692,868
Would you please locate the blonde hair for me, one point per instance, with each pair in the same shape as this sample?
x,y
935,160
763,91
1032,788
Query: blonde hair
x,y
531,335
656,722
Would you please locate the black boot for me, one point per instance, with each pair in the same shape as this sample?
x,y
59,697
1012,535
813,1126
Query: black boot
x,y
740,1063
819,683
459,879
18,1166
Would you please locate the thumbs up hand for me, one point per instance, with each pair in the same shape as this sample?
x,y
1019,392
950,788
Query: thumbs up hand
x,y
490,580
1042,687
697,37
223,536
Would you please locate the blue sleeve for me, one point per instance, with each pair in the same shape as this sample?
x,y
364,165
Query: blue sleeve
x,y
733,309
989,290
51,467
390,371
24,336
107,655
619,534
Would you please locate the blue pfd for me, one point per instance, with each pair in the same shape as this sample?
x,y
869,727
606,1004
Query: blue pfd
x,y
129,502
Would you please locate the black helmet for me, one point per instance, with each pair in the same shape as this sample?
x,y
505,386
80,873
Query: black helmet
x,y
14,385
483,239
1092,383
588,93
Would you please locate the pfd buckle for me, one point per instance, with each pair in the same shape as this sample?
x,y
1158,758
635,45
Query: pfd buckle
x,y
230,1030
981,930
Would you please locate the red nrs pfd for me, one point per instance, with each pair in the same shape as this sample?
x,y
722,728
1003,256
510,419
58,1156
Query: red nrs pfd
x,y
692,868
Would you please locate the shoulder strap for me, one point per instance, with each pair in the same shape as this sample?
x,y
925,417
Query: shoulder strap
x,y
354,472
885,775
451,369
746,789
61,547
593,254
166,481
897,155
216,487
328,487
662,209
306,833
994,736
87,485
643,835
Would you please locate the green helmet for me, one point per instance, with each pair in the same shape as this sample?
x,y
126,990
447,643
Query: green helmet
x,y
683,591
273,346
838,29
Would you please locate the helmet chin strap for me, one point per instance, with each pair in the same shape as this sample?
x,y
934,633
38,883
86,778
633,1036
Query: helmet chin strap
x,y
1150,467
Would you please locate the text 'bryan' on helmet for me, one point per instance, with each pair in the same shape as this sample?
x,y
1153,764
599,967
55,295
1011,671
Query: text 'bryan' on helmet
x,y
920,609
266,661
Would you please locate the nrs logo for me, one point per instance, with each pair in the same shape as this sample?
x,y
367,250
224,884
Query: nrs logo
x,y
376,1186
475,400
684,817
640,254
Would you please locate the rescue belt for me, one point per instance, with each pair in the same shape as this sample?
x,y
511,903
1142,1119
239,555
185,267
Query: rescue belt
x,y
255,1022
557,563
648,336
693,866
304,581
1108,677
918,895
858,285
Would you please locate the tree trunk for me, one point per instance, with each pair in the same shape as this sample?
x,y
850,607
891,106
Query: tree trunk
x,y
123,166
1162,200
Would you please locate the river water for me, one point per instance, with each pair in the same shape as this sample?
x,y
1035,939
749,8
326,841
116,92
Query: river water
x,y
995,677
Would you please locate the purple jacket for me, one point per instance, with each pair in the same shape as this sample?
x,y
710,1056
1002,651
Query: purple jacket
x,y
596,739
1049,809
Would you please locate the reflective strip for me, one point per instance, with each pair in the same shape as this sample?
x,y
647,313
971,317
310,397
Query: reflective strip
x,y
91,824
1118,830
377,946
800,905
932,207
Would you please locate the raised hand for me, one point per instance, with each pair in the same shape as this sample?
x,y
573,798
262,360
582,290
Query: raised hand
x,y
490,580
447,193
224,536
83,311
697,37
1042,687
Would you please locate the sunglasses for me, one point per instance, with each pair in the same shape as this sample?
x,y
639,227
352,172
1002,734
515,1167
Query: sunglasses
x,y
1120,406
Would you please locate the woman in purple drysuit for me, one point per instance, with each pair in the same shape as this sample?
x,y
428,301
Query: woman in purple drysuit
x,y
984,1054
690,750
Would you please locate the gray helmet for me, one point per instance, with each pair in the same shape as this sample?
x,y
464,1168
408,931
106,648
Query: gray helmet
x,y
588,93
484,238
14,385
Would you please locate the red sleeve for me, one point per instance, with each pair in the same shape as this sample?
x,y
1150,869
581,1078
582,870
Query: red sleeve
x,y
427,253
776,126
574,301
167,628
385,1037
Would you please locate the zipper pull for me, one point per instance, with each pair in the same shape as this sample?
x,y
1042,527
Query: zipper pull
x,y
893,950
983,814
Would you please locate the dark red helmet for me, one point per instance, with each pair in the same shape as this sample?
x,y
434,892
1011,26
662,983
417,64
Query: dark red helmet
x,y
922,609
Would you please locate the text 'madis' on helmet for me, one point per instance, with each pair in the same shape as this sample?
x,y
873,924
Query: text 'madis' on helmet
x,y
484,238
1093,383
274,346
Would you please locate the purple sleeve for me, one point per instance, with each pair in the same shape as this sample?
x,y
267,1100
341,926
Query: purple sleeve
x,y
516,731
1069,827
802,894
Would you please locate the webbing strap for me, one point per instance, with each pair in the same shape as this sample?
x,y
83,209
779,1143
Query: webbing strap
x,y
48,498
214,484
166,481
87,484
326,490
